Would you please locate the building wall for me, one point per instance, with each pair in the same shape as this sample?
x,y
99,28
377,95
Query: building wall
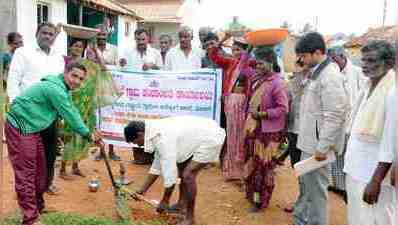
x,y
27,20
164,28
7,17
125,41
396,13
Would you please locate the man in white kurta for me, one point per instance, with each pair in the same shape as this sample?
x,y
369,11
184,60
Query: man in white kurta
x,y
31,63
354,82
366,164
105,53
183,145
141,56
184,56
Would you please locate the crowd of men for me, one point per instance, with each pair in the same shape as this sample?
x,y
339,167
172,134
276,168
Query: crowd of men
x,y
327,105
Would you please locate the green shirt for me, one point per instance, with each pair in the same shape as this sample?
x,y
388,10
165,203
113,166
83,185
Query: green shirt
x,y
43,103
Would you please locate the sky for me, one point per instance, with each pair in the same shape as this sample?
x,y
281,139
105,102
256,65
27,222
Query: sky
x,y
333,16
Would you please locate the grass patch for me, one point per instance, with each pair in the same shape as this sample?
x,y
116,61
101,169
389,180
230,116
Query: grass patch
x,y
73,219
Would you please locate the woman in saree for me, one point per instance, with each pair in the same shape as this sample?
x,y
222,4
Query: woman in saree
x,y
264,127
237,72
76,148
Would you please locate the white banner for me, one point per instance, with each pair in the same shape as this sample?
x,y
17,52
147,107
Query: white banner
x,y
158,94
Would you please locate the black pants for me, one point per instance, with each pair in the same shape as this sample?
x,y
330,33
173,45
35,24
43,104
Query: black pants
x,y
294,152
49,137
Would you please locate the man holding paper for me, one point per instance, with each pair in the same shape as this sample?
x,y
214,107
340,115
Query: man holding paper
x,y
367,161
323,111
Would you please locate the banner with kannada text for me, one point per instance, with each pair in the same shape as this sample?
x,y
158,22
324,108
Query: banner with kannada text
x,y
158,94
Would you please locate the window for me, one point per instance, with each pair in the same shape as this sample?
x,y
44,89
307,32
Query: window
x,y
127,28
42,13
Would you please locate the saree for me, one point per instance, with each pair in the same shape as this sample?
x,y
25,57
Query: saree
x,y
87,99
262,149
233,160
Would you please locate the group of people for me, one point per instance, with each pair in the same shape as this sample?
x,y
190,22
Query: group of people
x,y
327,105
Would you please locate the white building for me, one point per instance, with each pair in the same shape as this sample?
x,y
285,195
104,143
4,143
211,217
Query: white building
x,y
396,13
79,18
159,16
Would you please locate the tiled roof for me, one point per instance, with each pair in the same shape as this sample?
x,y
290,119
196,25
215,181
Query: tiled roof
x,y
156,11
113,6
388,33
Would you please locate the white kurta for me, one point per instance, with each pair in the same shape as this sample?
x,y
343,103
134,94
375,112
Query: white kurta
x,y
135,60
356,81
177,60
109,55
361,161
29,64
389,142
363,154
176,139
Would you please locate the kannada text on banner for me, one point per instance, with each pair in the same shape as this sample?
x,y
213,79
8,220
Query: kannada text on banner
x,y
158,94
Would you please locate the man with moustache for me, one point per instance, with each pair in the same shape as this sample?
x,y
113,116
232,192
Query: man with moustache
x,y
106,54
142,56
367,161
184,56
165,42
31,63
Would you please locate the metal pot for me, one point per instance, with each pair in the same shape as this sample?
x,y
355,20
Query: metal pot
x,y
93,185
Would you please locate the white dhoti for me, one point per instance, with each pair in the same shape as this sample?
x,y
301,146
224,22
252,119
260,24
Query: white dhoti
x,y
209,150
361,213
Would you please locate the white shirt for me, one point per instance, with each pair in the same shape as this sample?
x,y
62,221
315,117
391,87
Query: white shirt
x,y
176,139
177,60
109,54
356,81
29,64
362,157
135,61
389,141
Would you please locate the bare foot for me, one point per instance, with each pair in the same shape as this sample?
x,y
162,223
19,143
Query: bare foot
x,y
65,176
48,210
186,222
175,208
53,190
37,223
254,209
78,172
289,209
240,184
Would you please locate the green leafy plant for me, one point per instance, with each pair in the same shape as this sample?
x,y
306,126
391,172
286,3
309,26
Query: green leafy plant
x,y
73,219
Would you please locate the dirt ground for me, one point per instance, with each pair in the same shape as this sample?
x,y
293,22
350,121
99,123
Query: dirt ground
x,y
218,202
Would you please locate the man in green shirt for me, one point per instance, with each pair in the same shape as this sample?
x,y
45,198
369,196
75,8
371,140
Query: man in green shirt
x,y
31,114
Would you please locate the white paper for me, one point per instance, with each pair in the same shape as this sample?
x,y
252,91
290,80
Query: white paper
x,y
312,164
